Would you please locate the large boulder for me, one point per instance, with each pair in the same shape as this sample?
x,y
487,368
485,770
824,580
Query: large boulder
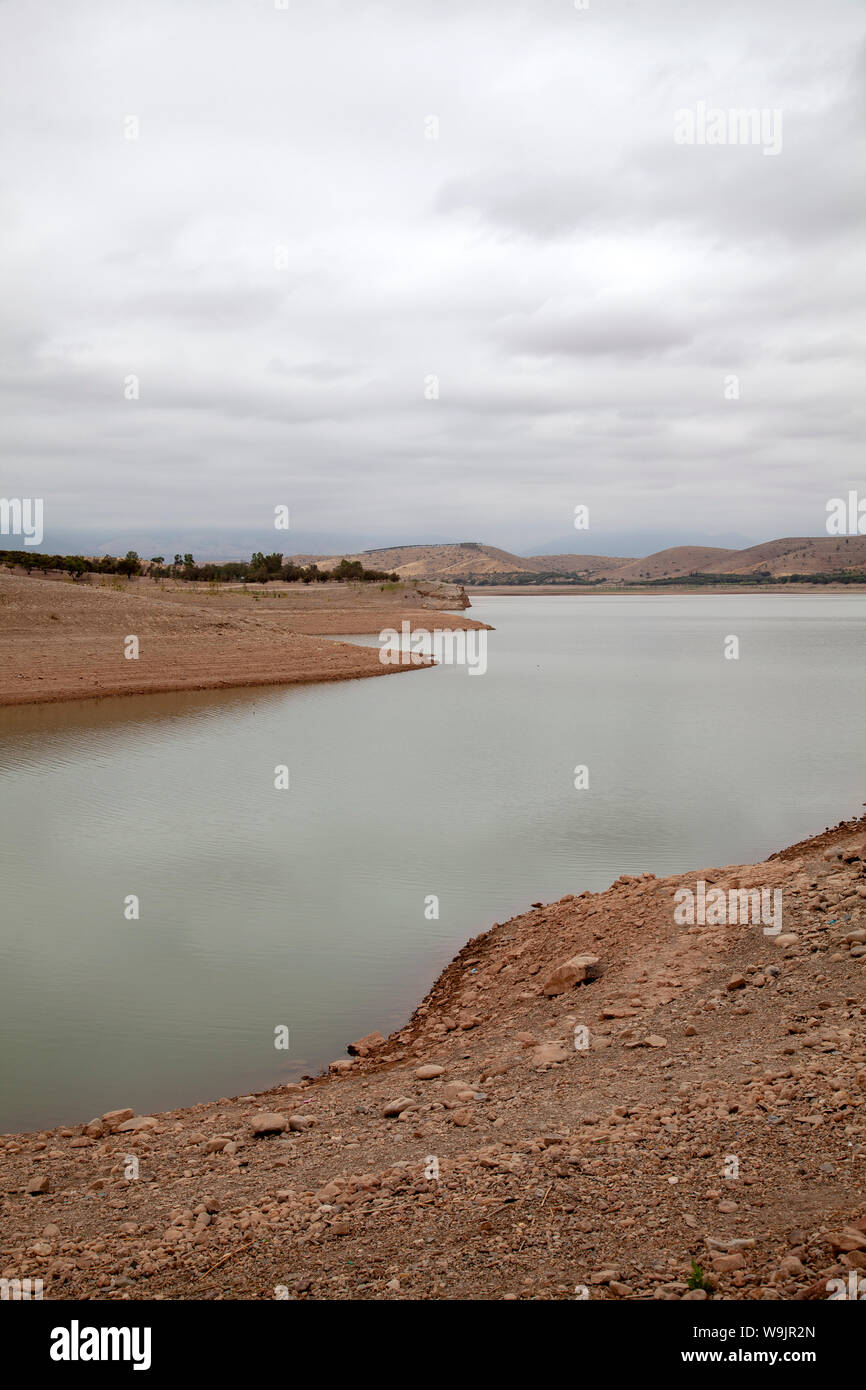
x,y
577,970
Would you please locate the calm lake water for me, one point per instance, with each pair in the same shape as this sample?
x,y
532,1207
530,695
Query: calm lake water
x,y
305,908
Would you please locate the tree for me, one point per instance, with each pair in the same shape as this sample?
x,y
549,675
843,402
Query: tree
x,y
129,565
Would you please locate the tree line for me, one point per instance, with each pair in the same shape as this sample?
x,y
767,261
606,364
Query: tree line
x,y
259,569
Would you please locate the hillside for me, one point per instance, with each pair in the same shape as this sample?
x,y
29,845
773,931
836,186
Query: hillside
x,y
590,1098
468,562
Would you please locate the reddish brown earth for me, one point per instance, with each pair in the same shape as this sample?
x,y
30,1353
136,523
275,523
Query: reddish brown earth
x,y
716,1115
61,640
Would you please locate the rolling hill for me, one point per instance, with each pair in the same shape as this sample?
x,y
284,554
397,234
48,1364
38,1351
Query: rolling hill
x,y
472,562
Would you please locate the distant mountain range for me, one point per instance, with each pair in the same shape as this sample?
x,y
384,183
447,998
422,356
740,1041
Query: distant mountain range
x,y
472,562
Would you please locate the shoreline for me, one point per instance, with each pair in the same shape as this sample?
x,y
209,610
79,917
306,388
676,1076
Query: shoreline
x,y
62,642
484,1077
631,591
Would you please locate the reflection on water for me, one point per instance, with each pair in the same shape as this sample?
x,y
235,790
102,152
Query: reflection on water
x,y
305,908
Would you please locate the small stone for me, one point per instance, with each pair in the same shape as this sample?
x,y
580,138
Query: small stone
x,y
548,1054
38,1185
112,1118
429,1071
846,1240
368,1043
396,1107
298,1123
726,1264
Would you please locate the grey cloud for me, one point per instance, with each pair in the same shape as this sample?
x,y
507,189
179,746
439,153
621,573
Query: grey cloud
x,y
580,285
619,330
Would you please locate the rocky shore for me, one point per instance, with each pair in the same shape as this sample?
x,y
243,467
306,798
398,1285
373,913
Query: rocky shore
x,y
593,1101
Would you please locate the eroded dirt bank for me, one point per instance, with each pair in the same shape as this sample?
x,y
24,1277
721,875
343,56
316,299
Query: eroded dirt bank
x,y
66,641
713,1110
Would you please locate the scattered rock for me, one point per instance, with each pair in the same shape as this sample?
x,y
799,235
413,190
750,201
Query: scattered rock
x,y
364,1046
269,1122
396,1107
113,1118
726,1264
548,1054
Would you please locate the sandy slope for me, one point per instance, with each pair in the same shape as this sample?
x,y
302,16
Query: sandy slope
x,y
607,1168
64,641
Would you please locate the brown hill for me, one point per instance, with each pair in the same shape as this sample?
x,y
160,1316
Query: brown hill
x,y
800,555
465,558
670,564
586,565
468,562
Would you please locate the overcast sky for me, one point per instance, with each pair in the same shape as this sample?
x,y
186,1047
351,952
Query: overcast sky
x,y
284,257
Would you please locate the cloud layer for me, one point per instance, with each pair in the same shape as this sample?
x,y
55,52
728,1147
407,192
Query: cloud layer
x,y
284,259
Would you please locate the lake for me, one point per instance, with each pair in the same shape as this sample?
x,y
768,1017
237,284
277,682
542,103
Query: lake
x,y
306,909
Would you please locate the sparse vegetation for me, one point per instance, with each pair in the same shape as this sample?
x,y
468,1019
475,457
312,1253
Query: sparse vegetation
x,y
260,569
697,1279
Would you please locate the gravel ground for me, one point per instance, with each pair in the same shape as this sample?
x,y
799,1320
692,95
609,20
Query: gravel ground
x,y
704,1126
